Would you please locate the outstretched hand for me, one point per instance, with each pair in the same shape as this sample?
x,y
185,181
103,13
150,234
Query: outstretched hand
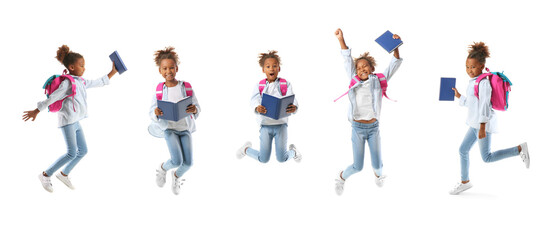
x,y
30,115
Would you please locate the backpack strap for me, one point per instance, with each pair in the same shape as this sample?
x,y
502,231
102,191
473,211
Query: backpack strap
x,y
73,82
282,82
188,89
481,77
354,80
159,90
383,85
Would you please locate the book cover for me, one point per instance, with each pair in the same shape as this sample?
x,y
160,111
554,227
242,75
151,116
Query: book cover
x,y
174,111
276,107
387,42
119,64
446,93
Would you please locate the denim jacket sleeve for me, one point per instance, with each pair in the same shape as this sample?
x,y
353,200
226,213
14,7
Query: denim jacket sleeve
x,y
63,90
392,67
102,81
195,102
290,92
349,65
255,98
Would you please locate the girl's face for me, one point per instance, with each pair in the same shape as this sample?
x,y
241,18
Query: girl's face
x,y
473,67
271,68
168,69
77,68
364,69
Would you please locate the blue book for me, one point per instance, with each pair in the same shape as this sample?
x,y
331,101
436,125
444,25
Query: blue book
x,y
387,42
447,94
120,67
174,111
276,108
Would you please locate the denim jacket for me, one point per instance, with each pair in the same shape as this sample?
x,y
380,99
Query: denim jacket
x,y
375,86
479,109
67,115
158,126
274,90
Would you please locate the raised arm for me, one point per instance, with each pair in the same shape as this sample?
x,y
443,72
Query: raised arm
x,y
340,35
346,54
397,50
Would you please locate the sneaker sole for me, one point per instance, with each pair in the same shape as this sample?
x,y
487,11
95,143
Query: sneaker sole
x,y
527,161
67,185
456,193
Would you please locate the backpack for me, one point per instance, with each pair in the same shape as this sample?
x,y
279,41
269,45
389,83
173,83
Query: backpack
x,y
381,78
500,86
53,83
159,90
283,86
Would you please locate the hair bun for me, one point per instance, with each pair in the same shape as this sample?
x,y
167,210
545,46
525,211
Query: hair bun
x,y
62,52
479,51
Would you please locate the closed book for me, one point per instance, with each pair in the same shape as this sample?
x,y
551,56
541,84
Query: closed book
x,y
387,42
119,64
174,111
446,93
276,108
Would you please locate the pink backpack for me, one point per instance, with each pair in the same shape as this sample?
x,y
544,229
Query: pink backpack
x,y
53,83
159,90
283,86
381,78
500,86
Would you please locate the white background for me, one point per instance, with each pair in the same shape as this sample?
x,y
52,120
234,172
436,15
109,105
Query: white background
x,y
224,198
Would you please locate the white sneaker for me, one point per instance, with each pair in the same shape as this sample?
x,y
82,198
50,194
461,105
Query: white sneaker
x,y
524,154
160,176
177,182
46,182
460,187
339,184
65,180
380,180
298,155
242,151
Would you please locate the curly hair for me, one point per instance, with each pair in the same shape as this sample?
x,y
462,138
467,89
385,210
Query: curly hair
x,y
167,53
366,56
271,54
67,57
478,51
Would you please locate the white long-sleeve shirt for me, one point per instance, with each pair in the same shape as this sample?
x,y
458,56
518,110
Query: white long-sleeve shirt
x,y
158,126
274,90
479,110
355,112
67,115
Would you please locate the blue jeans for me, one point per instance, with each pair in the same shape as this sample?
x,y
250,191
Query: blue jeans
x,y
180,147
485,150
360,134
77,148
267,134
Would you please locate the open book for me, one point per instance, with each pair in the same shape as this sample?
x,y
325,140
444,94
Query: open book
x,y
276,108
174,111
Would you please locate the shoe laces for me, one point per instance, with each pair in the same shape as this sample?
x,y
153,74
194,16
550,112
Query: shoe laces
x,y
178,182
160,172
457,186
